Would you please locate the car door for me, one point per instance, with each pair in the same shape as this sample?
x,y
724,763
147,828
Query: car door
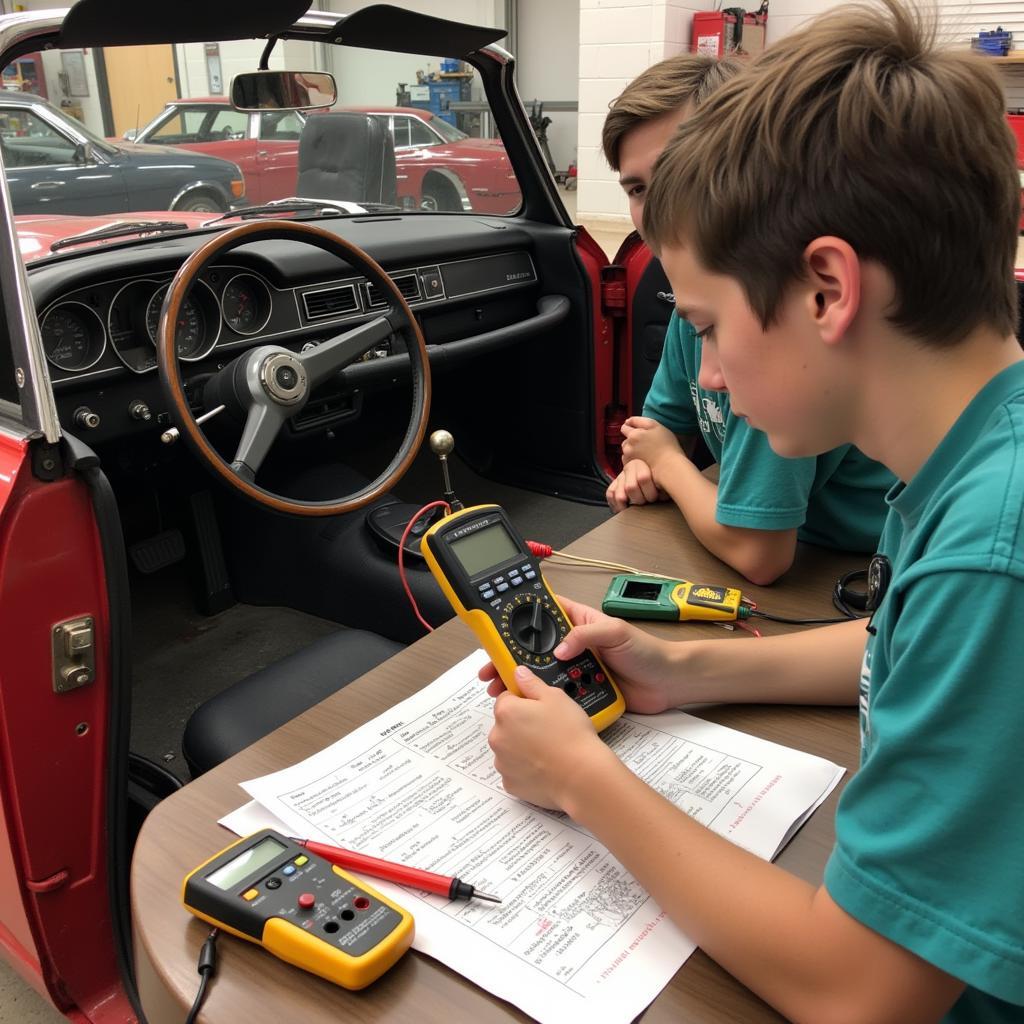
x,y
48,171
276,166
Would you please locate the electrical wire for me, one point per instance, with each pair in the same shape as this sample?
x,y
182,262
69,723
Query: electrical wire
x,y
799,622
547,551
206,967
401,561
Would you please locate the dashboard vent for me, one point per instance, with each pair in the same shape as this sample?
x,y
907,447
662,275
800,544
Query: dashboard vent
x,y
330,302
408,285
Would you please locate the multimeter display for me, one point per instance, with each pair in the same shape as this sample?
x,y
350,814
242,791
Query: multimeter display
x,y
244,864
495,585
484,549
304,910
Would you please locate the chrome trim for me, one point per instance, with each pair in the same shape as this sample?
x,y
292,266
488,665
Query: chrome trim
x,y
277,391
270,303
50,310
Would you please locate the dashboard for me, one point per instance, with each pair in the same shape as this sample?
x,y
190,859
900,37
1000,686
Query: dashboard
x,y
99,315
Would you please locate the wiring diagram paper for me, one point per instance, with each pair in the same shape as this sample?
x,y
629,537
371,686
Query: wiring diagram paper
x,y
575,933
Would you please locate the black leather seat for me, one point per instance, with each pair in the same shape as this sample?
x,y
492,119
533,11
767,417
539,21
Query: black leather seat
x,y
257,705
346,156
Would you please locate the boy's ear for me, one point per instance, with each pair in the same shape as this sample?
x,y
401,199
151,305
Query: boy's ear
x,y
833,286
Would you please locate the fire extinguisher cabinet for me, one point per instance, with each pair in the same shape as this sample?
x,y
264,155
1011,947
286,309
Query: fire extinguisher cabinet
x,y
731,30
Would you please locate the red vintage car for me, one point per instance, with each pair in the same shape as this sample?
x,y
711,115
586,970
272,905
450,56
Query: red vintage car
x,y
439,167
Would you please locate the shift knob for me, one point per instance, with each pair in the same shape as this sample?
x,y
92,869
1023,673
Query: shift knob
x,y
442,444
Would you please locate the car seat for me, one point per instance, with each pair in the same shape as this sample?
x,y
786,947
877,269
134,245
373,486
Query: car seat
x,y
258,704
347,156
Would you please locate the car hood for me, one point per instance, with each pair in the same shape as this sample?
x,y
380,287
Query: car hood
x,y
37,233
147,152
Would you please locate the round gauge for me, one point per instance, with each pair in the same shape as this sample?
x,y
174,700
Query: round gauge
x,y
73,336
246,304
193,337
129,332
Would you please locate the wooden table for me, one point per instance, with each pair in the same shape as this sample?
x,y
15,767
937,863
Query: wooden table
x,y
253,987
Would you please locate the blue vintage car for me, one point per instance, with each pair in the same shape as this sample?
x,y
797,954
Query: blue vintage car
x,y
54,164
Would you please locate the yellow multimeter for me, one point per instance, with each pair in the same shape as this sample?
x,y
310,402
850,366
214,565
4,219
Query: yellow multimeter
x,y
632,596
304,910
495,585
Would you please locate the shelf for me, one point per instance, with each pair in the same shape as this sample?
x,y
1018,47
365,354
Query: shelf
x,y
1010,58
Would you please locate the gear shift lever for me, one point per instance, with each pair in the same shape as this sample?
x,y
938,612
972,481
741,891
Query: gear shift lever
x,y
442,444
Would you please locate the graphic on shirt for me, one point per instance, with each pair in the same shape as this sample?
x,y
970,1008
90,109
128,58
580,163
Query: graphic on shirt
x,y
864,702
710,415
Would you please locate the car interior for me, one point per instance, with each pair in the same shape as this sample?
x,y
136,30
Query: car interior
x,y
243,615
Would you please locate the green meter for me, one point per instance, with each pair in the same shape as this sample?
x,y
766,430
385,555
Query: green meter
x,y
632,596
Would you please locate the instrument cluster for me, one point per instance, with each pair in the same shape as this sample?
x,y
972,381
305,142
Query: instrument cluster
x,y
79,333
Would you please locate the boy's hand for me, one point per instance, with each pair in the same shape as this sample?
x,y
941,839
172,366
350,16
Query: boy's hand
x,y
650,442
543,742
633,486
641,664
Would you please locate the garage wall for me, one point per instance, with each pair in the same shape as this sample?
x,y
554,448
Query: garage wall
x,y
548,67
371,77
619,38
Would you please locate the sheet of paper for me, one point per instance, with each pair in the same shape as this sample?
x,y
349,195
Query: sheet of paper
x,y
576,937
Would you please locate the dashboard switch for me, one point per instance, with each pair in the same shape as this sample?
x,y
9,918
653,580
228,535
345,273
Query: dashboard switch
x,y
138,410
85,417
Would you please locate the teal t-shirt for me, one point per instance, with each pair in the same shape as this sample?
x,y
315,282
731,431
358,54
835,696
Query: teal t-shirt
x,y
836,499
930,831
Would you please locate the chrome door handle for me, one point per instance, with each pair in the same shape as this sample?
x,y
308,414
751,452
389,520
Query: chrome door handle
x,y
47,184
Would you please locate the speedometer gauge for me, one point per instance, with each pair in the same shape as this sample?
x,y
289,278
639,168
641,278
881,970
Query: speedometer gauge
x,y
73,336
246,304
197,327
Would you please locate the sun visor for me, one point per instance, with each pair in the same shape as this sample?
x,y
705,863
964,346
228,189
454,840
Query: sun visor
x,y
132,23
384,27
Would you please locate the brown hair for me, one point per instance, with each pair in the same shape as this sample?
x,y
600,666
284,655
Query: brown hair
x,y
665,86
857,126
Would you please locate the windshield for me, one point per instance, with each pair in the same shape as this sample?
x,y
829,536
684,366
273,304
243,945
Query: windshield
x,y
153,130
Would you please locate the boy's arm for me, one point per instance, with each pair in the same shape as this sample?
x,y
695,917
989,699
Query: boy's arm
x,y
762,556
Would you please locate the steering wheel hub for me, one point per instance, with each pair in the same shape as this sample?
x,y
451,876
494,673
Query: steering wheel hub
x,y
283,378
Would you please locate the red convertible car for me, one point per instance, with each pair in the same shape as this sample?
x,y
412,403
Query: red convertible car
x,y
439,167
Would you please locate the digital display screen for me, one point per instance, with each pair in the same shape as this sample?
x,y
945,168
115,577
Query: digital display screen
x,y
229,875
484,549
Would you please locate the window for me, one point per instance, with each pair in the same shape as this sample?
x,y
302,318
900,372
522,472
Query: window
x,y
182,126
420,134
285,125
34,143
401,131
226,123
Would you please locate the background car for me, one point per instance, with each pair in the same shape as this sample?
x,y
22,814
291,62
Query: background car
x,y
54,164
439,167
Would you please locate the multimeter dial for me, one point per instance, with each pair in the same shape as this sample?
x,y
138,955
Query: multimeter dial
x,y
532,627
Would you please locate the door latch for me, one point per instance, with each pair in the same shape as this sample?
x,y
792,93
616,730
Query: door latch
x,y
74,654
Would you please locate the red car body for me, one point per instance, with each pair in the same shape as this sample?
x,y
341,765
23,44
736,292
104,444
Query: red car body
x,y
437,167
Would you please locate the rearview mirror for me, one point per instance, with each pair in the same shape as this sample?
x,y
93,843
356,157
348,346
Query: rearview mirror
x,y
283,90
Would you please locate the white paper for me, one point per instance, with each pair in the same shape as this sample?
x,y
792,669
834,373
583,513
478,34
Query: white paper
x,y
575,933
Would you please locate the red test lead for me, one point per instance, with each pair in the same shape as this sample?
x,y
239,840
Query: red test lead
x,y
442,885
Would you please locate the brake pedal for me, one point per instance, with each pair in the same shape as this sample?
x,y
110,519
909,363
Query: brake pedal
x,y
155,553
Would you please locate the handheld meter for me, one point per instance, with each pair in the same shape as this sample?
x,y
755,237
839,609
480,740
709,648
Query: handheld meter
x,y
650,597
495,585
299,907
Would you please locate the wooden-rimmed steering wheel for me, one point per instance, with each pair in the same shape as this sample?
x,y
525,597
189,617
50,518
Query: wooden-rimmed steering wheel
x,y
268,384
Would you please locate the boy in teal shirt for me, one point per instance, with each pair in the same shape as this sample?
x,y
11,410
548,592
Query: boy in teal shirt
x,y
850,268
762,503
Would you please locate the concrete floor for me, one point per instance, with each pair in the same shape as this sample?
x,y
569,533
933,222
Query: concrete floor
x,y
20,1004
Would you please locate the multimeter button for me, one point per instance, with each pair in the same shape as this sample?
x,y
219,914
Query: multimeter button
x,y
307,901
502,587
529,575
496,603
524,568
487,594
251,894
498,579
516,581
300,860
273,883
288,869
483,587
574,673
598,677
